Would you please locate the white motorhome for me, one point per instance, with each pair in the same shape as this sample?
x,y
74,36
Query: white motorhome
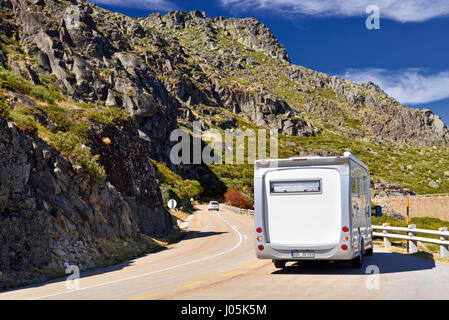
x,y
312,208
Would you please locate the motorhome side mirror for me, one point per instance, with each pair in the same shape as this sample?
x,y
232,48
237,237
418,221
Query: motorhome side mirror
x,y
378,211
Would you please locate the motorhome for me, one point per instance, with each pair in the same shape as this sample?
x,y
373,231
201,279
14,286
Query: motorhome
x,y
312,208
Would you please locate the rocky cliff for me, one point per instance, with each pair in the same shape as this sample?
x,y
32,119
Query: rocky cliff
x,y
52,211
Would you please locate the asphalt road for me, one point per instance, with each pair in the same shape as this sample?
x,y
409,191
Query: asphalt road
x,y
216,261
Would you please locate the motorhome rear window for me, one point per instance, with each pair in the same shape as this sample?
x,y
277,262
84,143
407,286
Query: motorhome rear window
x,y
304,186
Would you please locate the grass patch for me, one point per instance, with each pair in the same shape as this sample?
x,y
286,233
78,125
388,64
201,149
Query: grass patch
x,y
27,126
179,214
13,82
71,145
109,116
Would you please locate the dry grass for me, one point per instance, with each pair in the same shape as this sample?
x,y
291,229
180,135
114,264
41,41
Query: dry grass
x,y
180,215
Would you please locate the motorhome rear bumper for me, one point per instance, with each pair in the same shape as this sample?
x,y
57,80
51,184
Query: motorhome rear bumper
x,y
330,251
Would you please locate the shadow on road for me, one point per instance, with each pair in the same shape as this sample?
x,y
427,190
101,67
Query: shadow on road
x,y
200,234
119,266
386,262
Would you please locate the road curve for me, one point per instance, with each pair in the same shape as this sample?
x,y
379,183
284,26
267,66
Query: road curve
x,y
216,261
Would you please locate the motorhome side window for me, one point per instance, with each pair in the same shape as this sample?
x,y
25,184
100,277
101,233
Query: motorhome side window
x,y
303,186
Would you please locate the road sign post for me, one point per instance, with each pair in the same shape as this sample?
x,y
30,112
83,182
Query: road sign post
x,y
408,220
171,204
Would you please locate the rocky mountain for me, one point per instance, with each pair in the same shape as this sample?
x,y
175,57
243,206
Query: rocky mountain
x,y
89,97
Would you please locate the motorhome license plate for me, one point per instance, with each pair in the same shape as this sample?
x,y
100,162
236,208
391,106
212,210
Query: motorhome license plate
x,y
303,254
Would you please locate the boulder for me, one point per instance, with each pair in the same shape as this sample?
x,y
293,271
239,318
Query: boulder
x,y
433,184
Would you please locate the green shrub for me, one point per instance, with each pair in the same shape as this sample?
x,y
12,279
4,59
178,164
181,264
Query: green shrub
x,y
117,115
16,115
70,144
14,82
41,93
186,189
81,130
109,116
99,117
58,116
85,105
27,126
173,186
165,174
65,141
4,109
90,163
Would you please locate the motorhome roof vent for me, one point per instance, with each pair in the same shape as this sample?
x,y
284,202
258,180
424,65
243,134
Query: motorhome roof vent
x,y
347,154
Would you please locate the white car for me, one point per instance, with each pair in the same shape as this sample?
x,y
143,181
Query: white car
x,y
213,205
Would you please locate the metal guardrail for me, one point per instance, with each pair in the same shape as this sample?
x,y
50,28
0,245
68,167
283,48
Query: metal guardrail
x,y
238,210
412,237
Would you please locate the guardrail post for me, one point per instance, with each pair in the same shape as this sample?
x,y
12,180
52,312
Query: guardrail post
x,y
444,248
413,244
387,241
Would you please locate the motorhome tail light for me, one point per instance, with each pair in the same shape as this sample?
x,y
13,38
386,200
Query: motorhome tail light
x,y
259,230
260,247
300,159
345,229
259,239
344,247
346,238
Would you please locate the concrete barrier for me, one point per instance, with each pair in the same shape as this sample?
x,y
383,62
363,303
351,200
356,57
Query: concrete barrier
x,y
420,206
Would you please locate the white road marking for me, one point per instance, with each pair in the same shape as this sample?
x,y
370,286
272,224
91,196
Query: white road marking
x,y
157,271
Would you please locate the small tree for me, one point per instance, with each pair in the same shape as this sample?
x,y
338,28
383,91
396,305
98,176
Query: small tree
x,y
234,198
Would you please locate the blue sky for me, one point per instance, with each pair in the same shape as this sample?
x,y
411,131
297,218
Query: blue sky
x,y
408,56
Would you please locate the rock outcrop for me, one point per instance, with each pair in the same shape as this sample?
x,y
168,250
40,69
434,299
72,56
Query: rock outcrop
x,y
381,189
52,212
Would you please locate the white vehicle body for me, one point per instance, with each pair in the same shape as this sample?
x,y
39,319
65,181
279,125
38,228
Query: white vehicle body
x,y
213,205
312,208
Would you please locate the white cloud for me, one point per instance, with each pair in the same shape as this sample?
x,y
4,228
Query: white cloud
x,y
163,5
408,86
399,10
